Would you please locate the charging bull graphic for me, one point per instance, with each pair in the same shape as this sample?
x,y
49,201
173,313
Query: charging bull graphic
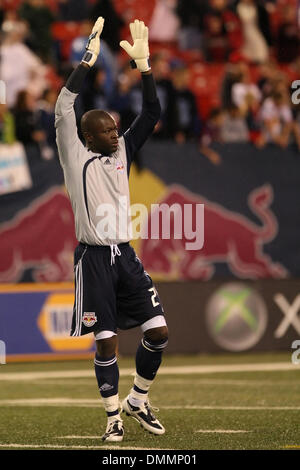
x,y
229,237
40,238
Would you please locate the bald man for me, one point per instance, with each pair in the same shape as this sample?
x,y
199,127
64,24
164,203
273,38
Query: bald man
x,y
112,289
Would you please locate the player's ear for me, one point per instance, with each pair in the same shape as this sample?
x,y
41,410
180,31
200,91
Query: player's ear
x,y
88,139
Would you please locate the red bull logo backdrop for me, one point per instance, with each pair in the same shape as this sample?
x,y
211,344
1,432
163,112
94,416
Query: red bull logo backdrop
x,y
229,237
251,222
39,239
249,228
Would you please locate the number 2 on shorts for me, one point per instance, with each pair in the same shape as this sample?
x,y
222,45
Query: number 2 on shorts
x,y
155,303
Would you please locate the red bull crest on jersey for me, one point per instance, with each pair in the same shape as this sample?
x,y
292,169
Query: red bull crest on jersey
x,y
89,319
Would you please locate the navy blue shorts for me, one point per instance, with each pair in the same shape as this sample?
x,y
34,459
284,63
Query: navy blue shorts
x,y
110,296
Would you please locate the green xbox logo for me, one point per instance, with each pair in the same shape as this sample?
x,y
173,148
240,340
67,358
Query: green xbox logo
x,y
236,317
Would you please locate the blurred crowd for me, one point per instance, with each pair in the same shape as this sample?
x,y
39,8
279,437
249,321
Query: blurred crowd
x,y
253,43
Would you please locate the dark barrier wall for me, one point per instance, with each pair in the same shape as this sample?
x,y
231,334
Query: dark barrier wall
x,y
251,219
230,316
203,317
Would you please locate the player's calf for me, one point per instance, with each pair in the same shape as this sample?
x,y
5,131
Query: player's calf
x,y
107,374
148,360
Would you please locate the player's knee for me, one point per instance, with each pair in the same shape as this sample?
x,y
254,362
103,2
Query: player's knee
x,y
106,347
157,335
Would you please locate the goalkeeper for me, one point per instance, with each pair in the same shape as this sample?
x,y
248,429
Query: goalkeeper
x,y
112,289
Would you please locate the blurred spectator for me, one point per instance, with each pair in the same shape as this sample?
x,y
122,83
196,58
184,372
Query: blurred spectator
x,y
73,10
185,122
212,132
231,75
164,22
191,15
1,12
165,92
268,72
7,126
28,125
222,31
295,68
121,100
277,119
179,118
20,68
216,47
270,5
245,93
39,18
288,40
127,101
46,116
256,30
94,95
112,25
106,60
234,128
161,72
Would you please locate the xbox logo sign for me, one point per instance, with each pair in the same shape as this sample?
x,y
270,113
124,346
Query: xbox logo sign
x,y
236,317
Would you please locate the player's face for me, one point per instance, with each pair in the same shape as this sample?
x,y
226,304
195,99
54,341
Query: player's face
x,y
105,136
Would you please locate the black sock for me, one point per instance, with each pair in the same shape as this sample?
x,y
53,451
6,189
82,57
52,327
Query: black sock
x,y
148,358
107,374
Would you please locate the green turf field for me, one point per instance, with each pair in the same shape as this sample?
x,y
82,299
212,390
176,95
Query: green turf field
x,y
224,405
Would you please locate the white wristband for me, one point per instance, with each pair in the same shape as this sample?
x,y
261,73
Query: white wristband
x,y
89,58
142,65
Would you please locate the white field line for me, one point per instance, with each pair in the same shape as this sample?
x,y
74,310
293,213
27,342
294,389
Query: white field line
x,y
76,437
68,382
221,382
221,431
55,446
85,402
203,431
181,370
240,408
59,401
47,374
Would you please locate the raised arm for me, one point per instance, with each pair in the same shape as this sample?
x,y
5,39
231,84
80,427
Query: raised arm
x,y
145,122
67,139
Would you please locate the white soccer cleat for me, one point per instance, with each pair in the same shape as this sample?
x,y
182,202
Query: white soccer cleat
x,y
144,416
114,431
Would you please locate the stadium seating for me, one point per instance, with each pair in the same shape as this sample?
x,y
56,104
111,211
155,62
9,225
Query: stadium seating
x,y
65,33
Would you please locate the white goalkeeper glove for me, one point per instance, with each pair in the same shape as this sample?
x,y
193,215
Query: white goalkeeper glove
x,y
93,44
139,52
